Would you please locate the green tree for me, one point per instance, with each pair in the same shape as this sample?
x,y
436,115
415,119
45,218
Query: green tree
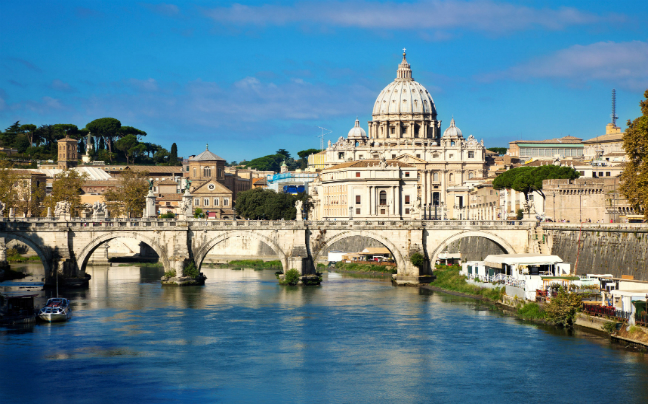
x,y
283,152
173,157
129,130
8,186
563,308
266,163
30,131
305,153
128,145
635,174
128,198
267,204
66,187
529,179
499,150
107,129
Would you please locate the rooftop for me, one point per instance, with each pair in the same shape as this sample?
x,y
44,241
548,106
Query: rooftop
x,y
565,140
368,163
206,156
612,137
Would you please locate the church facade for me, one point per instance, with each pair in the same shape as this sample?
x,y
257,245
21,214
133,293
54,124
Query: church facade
x,y
405,128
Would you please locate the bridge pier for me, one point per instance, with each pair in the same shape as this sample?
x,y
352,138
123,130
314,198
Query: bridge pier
x,y
4,264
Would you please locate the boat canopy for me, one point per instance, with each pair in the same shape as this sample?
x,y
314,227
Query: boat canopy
x,y
496,261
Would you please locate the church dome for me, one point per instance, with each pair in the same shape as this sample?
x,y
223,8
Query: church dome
x,y
452,130
357,133
404,95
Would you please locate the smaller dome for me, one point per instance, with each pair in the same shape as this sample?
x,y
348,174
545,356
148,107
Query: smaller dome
x,y
452,130
357,133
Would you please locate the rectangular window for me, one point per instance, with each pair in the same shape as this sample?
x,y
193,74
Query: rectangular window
x,y
357,175
206,202
393,130
471,154
407,211
607,173
407,174
357,199
382,211
341,156
197,202
225,201
194,171
357,211
216,202
393,157
418,156
360,156
407,199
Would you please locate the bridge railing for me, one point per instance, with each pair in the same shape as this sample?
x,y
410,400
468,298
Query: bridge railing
x,y
211,223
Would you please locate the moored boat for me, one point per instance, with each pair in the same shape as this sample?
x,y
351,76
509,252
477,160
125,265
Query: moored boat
x,y
56,309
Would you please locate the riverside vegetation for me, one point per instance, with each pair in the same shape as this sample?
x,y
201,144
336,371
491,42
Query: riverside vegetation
x,y
363,267
560,311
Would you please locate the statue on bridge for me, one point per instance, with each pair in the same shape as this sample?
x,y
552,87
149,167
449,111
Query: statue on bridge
x,y
99,208
2,209
298,206
62,208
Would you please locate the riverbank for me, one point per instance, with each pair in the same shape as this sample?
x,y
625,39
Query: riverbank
x,y
252,264
449,281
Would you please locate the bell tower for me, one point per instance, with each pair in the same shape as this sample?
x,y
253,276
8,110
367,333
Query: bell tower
x,y
67,153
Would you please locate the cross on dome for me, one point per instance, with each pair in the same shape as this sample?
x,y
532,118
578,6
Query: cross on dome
x,y
207,146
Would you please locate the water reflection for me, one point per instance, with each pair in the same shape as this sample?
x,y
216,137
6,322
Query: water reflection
x,y
244,338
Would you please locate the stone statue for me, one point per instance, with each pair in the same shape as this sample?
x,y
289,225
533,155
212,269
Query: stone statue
x,y
187,186
2,209
62,209
298,205
185,205
329,143
150,182
99,208
383,160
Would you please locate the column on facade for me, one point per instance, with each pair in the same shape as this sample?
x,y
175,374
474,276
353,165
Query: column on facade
x,y
424,187
512,200
522,200
369,199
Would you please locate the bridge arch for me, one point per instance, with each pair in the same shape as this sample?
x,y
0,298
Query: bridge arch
x,y
398,257
201,251
493,237
86,252
43,255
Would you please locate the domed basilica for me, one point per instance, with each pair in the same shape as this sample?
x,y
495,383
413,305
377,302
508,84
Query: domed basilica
x,y
404,132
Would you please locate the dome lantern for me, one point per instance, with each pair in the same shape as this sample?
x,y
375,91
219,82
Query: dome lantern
x,y
357,133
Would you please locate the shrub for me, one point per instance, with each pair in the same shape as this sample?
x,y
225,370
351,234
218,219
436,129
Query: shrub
x,y
531,311
519,214
449,278
291,277
170,274
417,259
609,327
168,215
198,213
191,270
563,308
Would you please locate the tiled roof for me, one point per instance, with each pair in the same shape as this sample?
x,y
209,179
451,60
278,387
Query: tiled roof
x,y
169,197
166,182
206,156
566,139
100,183
612,137
368,163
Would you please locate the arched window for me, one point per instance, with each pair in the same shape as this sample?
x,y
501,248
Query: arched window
x,y
471,175
435,177
206,172
383,198
450,178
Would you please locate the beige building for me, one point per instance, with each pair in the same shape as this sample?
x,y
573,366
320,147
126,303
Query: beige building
x,y
404,127
366,189
67,153
568,146
586,199
608,147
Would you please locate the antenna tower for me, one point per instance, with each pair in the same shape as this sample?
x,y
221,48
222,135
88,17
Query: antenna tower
x,y
614,117
324,133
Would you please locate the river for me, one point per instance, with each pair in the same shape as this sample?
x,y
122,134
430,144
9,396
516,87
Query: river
x,y
242,338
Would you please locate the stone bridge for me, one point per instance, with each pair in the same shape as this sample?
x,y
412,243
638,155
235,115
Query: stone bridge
x,y
66,245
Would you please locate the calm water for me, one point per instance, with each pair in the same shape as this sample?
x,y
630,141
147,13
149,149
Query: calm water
x,y
243,338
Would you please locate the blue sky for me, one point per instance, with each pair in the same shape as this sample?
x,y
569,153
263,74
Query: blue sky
x,y
250,77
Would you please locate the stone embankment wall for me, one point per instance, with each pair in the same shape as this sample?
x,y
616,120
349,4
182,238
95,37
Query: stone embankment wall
x,y
618,250
475,248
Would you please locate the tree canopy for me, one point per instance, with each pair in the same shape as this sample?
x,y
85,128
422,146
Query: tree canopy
x,y
499,150
260,203
66,187
529,179
129,197
635,173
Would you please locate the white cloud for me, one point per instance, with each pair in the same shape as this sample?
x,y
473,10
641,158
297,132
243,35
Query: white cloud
x,y
144,85
624,64
478,15
61,86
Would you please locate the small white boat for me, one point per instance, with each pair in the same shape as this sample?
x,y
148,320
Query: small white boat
x,y
56,309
